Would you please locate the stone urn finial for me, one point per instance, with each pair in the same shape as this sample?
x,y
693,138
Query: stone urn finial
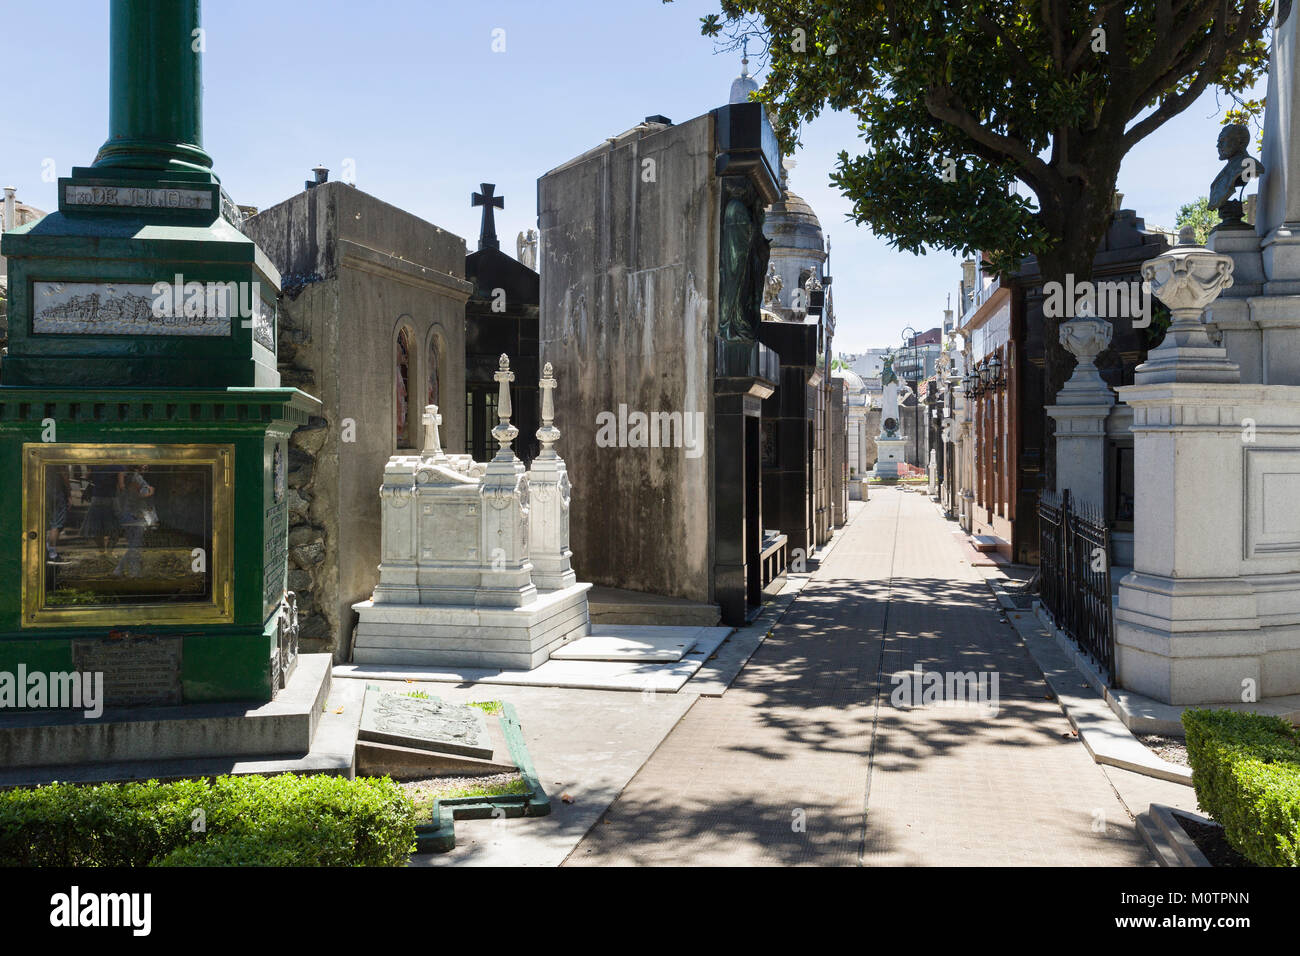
x,y
1085,337
1187,278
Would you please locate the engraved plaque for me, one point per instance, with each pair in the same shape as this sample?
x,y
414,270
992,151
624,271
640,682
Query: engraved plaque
x,y
133,197
137,670
424,724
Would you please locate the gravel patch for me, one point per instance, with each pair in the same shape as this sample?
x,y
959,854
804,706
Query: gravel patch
x,y
1173,749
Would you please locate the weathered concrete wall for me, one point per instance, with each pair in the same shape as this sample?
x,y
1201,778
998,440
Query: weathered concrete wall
x,y
629,274
355,270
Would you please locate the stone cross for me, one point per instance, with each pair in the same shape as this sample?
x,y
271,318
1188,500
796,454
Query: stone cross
x,y
548,434
432,441
504,433
487,238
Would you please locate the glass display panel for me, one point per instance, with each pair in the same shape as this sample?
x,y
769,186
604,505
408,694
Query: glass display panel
x,y
112,528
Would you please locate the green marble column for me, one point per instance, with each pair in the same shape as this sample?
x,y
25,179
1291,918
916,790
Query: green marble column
x,y
155,87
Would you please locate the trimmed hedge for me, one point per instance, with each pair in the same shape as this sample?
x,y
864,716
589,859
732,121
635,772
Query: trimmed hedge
x,y
1246,772
285,820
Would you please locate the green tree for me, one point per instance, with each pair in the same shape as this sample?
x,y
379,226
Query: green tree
x,y
1199,216
960,100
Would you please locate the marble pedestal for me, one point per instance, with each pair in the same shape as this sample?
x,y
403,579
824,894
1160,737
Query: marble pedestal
x,y
1209,613
889,454
451,635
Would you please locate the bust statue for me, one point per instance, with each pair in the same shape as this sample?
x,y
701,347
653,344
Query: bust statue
x,y
1238,171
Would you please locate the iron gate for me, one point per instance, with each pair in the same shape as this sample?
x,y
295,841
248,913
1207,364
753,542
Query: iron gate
x,y
1074,575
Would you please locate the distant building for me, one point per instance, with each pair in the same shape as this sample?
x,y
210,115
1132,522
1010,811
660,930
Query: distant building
x,y
12,215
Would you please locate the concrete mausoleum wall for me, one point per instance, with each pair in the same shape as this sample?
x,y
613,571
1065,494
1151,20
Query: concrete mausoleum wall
x,y
628,286
355,270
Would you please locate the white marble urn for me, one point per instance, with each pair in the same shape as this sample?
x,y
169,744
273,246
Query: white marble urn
x,y
1188,278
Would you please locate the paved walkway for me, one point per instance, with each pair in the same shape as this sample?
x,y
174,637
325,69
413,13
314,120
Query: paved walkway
x,y
805,760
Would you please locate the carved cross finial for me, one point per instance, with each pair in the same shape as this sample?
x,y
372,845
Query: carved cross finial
x,y
487,198
432,439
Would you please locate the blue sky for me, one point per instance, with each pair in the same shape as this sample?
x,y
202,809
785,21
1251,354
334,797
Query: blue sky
x,y
411,92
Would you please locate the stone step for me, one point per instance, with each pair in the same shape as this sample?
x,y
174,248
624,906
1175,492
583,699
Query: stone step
x,y
1166,838
189,736
630,643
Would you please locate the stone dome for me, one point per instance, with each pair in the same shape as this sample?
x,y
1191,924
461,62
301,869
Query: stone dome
x,y
851,379
791,224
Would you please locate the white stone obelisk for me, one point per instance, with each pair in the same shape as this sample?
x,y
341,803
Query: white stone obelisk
x,y
548,493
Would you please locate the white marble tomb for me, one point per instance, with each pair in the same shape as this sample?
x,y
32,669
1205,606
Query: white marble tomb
x,y
475,565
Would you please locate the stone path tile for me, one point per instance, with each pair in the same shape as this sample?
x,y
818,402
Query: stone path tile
x,y
805,759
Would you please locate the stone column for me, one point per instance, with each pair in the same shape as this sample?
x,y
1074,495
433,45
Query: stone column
x,y
155,87
505,573
548,492
1187,626
1082,407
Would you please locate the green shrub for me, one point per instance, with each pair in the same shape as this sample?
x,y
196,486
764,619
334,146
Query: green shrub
x,y
1246,771
285,820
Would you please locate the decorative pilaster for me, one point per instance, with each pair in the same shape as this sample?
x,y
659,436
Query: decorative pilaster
x,y
549,492
1082,407
505,571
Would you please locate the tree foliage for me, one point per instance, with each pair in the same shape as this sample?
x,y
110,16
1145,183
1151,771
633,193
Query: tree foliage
x,y
1199,216
959,100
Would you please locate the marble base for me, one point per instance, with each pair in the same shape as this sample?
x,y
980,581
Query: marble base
x,y
890,453
446,635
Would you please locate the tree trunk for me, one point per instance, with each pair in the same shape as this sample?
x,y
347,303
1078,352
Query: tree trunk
x,y
1081,220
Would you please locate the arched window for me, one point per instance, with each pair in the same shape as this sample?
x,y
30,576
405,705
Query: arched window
x,y
431,388
402,388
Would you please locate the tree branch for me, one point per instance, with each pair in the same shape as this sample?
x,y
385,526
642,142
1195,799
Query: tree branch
x,y
940,104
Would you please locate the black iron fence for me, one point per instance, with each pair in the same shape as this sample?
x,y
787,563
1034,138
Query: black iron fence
x,y
1074,575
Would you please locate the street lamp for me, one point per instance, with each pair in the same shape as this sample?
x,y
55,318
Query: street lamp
x,y
995,371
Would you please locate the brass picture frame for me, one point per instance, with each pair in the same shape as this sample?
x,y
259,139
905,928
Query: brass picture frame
x,y
36,610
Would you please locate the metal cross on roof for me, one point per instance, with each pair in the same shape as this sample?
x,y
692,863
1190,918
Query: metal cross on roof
x,y
487,238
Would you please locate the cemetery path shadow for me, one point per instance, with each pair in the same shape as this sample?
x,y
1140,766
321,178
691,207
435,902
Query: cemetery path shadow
x,y
813,755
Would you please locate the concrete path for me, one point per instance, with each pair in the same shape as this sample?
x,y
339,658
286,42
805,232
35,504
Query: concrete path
x,y
805,759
